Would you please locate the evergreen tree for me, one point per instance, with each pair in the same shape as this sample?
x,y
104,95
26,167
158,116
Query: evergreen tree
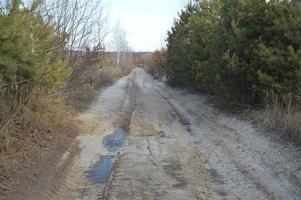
x,y
26,57
179,71
237,49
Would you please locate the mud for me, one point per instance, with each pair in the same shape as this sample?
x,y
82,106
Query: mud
x,y
154,142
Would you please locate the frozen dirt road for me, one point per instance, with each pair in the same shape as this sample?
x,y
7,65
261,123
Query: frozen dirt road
x,y
154,142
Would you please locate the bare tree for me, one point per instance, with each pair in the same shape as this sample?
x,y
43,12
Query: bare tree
x,y
121,47
81,28
80,24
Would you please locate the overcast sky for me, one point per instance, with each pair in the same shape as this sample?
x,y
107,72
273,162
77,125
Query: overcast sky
x,y
145,21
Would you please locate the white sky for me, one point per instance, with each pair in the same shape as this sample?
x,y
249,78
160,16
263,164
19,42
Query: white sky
x,y
145,21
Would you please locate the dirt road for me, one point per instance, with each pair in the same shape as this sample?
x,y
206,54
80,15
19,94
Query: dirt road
x,y
153,142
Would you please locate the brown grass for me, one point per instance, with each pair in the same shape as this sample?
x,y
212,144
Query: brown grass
x,y
81,95
284,120
86,123
107,76
29,136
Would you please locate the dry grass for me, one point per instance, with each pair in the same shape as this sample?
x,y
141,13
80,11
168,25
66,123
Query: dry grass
x,y
109,75
106,77
28,135
284,120
81,95
86,123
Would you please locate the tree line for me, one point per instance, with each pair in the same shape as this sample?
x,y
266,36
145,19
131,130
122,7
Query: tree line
x,y
245,51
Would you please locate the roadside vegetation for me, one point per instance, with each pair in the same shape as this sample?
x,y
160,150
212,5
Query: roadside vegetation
x,y
155,62
52,62
246,52
98,68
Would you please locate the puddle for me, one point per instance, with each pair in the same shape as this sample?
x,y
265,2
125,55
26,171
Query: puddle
x,y
101,170
216,176
115,141
162,134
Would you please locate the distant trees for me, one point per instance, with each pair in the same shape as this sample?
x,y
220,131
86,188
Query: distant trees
x,y
242,50
155,62
121,47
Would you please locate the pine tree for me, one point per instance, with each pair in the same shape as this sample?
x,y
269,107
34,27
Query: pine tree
x,y
237,49
26,58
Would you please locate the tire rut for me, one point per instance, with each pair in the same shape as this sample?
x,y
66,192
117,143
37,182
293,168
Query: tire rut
x,y
251,163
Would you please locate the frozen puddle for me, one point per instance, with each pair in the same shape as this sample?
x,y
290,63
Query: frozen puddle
x,y
101,170
115,141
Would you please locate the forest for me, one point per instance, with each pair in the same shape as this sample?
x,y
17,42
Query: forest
x,y
246,52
